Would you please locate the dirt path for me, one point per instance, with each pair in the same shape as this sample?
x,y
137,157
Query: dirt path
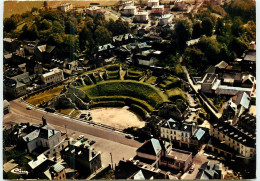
x,y
119,118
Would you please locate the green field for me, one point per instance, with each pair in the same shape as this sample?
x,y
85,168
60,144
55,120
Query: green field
x,y
147,95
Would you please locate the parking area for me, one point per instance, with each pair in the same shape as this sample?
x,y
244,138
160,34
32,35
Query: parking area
x,y
118,151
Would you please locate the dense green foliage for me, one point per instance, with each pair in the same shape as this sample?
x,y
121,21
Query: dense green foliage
x,y
72,34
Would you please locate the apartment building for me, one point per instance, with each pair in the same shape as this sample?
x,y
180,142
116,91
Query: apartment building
x,y
243,143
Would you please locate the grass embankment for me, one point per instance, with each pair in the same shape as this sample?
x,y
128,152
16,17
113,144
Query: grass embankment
x,y
129,91
169,82
176,93
45,96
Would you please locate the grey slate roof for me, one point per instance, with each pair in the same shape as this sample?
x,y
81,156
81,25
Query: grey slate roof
x,y
152,147
221,65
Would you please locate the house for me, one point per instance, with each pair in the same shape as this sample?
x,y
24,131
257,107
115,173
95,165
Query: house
x,y
147,57
10,44
158,154
106,50
141,17
185,134
16,86
249,60
65,7
13,88
55,172
45,136
210,170
122,39
22,67
129,10
30,46
93,10
240,142
128,3
165,19
58,63
132,169
157,9
152,3
55,75
209,82
82,157
248,81
6,106
44,52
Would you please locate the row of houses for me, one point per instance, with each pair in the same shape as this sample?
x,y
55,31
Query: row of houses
x,y
56,159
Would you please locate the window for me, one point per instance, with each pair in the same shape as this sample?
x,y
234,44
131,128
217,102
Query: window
x,y
186,135
175,132
181,134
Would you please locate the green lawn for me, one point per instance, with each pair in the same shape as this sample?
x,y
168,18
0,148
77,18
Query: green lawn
x,y
45,96
152,79
64,111
176,93
128,88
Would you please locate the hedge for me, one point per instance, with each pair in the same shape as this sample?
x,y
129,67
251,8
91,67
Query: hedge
x,y
108,104
139,110
113,68
126,99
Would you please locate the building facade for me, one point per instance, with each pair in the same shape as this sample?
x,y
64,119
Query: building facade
x,y
54,76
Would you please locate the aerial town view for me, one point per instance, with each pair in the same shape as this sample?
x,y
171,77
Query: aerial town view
x,y
138,89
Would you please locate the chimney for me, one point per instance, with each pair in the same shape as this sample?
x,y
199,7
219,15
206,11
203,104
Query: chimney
x,y
44,122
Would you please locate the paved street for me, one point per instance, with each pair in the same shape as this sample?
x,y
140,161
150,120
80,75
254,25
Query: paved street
x,y
106,140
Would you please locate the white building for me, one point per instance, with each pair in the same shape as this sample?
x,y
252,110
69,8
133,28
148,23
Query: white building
x,y
141,16
129,10
157,9
178,131
151,3
165,19
94,10
65,7
128,3
55,75
237,140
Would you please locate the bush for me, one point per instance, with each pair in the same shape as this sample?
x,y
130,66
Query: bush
x,y
139,110
113,68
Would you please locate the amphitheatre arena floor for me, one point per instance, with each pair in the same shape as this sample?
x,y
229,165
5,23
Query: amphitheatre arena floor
x,y
119,118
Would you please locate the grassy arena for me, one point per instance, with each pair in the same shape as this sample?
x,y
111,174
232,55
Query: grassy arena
x,y
144,93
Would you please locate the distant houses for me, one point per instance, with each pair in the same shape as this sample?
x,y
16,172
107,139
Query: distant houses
x,y
65,7
93,10
129,10
141,16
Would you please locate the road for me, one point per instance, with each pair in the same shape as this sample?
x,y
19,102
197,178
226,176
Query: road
x,y
196,89
106,140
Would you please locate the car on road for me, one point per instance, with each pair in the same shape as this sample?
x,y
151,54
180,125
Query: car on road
x,y
191,169
47,109
129,136
80,137
29,108
92,142
83,116
211,157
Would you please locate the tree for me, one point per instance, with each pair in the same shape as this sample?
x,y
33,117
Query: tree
x,y
182,34
207,26
57,27
9,25
197,30
193,57
237,27
69,27
220,27
102,35
237,46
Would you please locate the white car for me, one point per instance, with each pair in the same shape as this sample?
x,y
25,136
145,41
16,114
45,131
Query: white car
x,y
80,137
129,136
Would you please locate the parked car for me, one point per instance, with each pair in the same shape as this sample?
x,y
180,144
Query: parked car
x,y
129,136
47,109
29,108
85,139
92,142
80,137
82,116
